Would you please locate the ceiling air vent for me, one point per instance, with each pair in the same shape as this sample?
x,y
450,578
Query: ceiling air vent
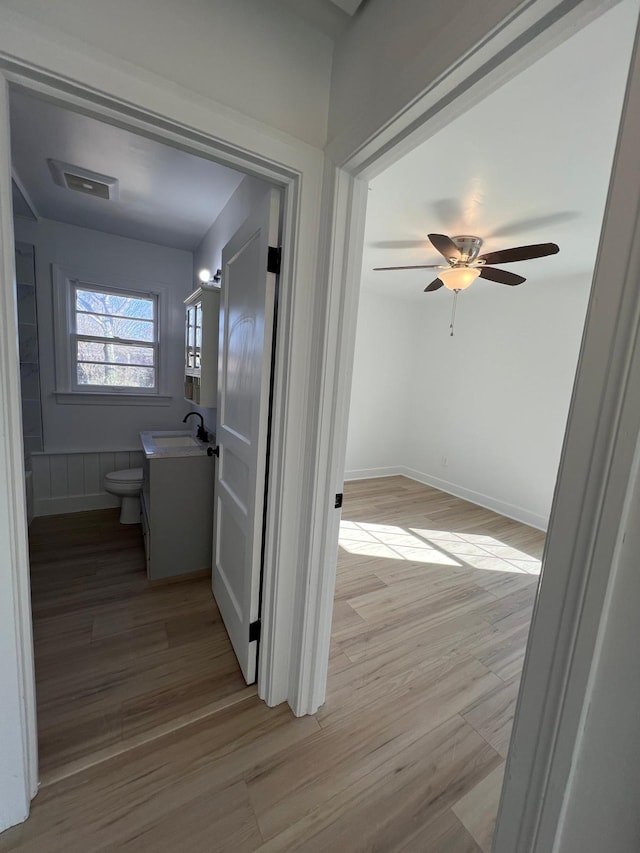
x,y
83,180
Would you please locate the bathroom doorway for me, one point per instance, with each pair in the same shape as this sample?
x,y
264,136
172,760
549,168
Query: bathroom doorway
x,y
123,653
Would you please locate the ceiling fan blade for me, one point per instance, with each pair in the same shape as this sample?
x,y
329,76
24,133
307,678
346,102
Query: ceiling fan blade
x,y
445,246
501,276
418,267
520,253
436,284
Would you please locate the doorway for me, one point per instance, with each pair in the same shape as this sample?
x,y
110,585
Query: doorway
x,y
456,429
114,231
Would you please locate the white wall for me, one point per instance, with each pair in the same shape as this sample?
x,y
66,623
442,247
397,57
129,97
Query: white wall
x,y
249,55
106,427
208,255
396,49
381,378
606,765
485,411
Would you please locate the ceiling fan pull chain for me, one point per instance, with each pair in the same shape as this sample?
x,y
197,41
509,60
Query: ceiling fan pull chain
x,y
453,311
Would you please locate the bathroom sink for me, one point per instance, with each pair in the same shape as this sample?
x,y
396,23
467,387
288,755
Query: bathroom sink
x,y
170,444
174,441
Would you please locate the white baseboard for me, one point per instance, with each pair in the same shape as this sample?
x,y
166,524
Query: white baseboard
x,y
518,513
371,473
74,503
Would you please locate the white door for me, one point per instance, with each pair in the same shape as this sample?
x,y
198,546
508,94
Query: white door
x,y
244,379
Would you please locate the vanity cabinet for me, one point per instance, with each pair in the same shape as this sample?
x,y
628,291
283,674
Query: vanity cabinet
x,y
201,346
177,514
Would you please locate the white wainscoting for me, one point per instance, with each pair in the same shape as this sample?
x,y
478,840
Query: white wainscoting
x,y
73,482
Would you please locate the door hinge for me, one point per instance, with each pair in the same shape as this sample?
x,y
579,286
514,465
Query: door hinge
x,y
274,259
338,502
254,630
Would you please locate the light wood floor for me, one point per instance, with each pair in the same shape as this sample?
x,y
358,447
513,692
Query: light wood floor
x,y
432,610
116,658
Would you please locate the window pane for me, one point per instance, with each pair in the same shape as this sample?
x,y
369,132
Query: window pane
x,y
114,327
114,353
116,375
93,301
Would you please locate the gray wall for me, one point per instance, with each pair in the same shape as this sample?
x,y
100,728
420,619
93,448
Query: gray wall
x,y
607,759
395,50
29,362
255,57
106,427
209,253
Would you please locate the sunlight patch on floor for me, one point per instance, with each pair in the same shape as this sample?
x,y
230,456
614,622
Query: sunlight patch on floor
x,y
394,543
481,551
436,547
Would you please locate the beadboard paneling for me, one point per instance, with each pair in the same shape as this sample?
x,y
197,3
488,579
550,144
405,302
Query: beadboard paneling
x,y
72,482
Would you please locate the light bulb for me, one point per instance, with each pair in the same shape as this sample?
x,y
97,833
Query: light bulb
x,y
459,278
205,276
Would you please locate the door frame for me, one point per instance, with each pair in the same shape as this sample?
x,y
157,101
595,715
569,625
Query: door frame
x,y
313,377
146,104
600,439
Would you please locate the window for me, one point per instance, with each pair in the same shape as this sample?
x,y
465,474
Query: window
x,y
114,339
110,338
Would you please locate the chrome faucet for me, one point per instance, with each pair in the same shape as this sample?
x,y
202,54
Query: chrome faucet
x,y
201,432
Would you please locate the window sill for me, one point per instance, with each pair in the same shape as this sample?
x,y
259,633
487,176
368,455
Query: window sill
x,y
99,398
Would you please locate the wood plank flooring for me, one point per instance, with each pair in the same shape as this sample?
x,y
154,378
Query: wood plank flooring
x,y
432,609
117,659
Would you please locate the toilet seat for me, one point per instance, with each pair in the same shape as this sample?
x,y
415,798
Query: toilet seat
x,y
127,476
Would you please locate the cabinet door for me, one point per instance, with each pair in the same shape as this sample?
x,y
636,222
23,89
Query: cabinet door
x,y
197,332
190,338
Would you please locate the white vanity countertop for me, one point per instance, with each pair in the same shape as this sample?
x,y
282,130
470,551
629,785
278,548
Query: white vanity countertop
x,y
155,449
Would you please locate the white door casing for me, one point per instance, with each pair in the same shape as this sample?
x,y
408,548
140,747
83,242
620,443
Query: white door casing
x,y
18,741
118,93
247,303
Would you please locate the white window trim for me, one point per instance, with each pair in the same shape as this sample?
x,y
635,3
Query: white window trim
x,y
67,391
75,336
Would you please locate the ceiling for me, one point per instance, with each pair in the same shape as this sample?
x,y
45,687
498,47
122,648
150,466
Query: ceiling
x,y
529,164
348,6
331,17
166,196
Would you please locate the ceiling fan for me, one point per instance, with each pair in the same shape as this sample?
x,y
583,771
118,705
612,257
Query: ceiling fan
x,y
466,264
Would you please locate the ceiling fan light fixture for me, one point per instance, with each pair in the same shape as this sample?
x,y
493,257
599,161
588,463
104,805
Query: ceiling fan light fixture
x,y
459,278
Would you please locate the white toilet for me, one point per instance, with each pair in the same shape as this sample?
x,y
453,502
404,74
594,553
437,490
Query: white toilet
x,y
127,484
